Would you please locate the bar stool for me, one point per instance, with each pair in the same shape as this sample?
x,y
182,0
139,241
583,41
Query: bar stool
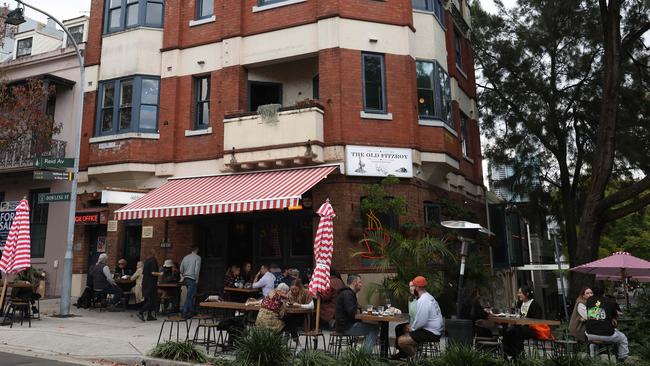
x,y
598,348
565,347
203,320
313,340
23,307
174,320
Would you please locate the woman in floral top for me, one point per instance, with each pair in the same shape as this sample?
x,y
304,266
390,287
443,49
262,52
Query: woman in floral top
x,y
272,309
298,297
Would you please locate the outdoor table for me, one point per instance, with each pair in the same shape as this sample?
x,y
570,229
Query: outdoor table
x,y
19,284
240,306
383,321
125,285
522,321
174,288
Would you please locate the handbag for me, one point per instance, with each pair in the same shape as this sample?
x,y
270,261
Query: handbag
x,y
542,331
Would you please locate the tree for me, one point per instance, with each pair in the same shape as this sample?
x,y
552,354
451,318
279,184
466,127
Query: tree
x,y
24,114
551,80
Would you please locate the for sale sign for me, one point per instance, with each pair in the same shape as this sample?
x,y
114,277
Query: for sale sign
x,y
7,213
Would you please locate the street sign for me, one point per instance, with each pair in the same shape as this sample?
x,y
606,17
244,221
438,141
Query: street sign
x,y
50,175
53,197
48,162
542,267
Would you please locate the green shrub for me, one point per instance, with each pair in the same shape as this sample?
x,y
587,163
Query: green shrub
x,y
460,355
359,357
179,351
261,347
313,358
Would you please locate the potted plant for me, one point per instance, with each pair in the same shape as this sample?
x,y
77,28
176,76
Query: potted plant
x,y
410,230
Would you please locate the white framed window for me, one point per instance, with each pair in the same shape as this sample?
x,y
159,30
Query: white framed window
x,y
77,33
24,47
434,92
374,83
123,14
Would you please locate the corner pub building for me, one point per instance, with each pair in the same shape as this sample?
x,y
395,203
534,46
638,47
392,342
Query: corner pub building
x,y
226,124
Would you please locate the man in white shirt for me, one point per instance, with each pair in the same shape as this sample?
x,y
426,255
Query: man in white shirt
x,y
264,280
428,324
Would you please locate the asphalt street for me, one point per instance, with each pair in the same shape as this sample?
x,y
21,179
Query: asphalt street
x,y
7,359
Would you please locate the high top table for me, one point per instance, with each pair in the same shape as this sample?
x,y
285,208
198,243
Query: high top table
x,y
384,321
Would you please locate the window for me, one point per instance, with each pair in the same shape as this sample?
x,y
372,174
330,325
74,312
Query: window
x,y
458,43
464,134
123,14
269,2
262,93
77,33
128,105
302,236
315,83
374,93
434,6
24,47
38,223
204,8
432,214
201,102
434,92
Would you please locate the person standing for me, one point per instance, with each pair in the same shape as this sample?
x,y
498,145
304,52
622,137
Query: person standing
x,y
578,320
428,324
190,270
601,323
149,286
346,312
137,277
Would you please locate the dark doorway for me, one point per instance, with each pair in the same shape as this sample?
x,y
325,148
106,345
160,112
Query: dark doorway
x,y
132,243
240,233
261,93
97,244
210,237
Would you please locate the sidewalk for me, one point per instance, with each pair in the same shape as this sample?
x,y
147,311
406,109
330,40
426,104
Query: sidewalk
x,y
88,336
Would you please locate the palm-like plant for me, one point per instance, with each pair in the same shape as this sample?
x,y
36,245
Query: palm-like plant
x,y
406,258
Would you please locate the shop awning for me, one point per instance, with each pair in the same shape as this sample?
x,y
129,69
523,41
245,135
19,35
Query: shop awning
x,y
240,192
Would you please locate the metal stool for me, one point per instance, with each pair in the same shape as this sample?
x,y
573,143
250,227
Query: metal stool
x,y
535,345
174,320
598,348
489,344
565,347
23,307
313,340
337,342
427,349
209,336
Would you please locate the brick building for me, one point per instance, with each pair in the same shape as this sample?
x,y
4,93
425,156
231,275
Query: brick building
x,y
249,91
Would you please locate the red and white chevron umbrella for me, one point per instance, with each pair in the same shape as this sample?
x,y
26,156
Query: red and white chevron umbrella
x,y
16,255
323,249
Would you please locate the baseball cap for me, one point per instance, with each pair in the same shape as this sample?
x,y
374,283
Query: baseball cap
x,y
420,281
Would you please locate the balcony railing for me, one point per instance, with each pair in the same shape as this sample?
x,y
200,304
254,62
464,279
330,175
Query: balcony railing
x,y
20,154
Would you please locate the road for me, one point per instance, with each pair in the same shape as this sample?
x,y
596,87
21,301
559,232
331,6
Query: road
x,y
10,359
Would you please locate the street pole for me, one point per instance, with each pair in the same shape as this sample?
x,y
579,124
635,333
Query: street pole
x,y
67,262
559,267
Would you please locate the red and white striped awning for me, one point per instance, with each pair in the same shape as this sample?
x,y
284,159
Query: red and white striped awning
x,y
239,192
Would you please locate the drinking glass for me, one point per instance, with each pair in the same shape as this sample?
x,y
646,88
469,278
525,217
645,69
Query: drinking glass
x,y
380,309
369,309
388,304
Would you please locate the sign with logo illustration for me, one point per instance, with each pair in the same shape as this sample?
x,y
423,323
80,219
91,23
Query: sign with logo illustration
x,y
372,161
101,244
7,213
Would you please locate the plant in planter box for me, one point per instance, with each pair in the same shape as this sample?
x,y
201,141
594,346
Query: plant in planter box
x,y
410,230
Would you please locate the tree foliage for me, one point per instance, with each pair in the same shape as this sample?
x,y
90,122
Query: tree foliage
x,y
24,114
565,94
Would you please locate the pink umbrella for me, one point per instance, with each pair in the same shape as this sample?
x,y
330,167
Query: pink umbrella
x,y
16,255
323,248
618,266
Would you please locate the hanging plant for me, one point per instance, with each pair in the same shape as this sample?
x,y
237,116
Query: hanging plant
x,y
269,112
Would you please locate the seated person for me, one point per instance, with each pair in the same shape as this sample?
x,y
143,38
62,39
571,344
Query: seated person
x,y
346,312
121,270
428,324
298,297
403,328
601,323
103,281
277,272
232,276
513,340
272,309
247,272
290,275
472,309
264,280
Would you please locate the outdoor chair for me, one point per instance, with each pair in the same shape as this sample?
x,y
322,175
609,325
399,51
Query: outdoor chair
x,y
20,306
174,320
98,298
598,348
427,350
339,341
565,347
489,344
537,346
210,337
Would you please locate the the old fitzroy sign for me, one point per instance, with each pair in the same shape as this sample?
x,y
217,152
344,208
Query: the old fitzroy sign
x,y
372,161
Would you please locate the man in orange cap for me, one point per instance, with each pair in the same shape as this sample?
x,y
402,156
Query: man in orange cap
x,y
428,324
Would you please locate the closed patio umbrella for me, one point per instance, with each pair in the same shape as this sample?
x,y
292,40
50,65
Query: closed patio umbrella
x,y
16,255
618,266
323,249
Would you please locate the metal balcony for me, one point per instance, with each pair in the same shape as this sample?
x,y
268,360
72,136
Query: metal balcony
x,y
20,155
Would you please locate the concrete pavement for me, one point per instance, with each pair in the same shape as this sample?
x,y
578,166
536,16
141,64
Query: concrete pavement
x,y
11,359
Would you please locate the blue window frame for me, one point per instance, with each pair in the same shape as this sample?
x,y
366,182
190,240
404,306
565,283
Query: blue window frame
x,y
374,83
128,105
434,92
201,102
123,14
434,6
269,2
204,9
